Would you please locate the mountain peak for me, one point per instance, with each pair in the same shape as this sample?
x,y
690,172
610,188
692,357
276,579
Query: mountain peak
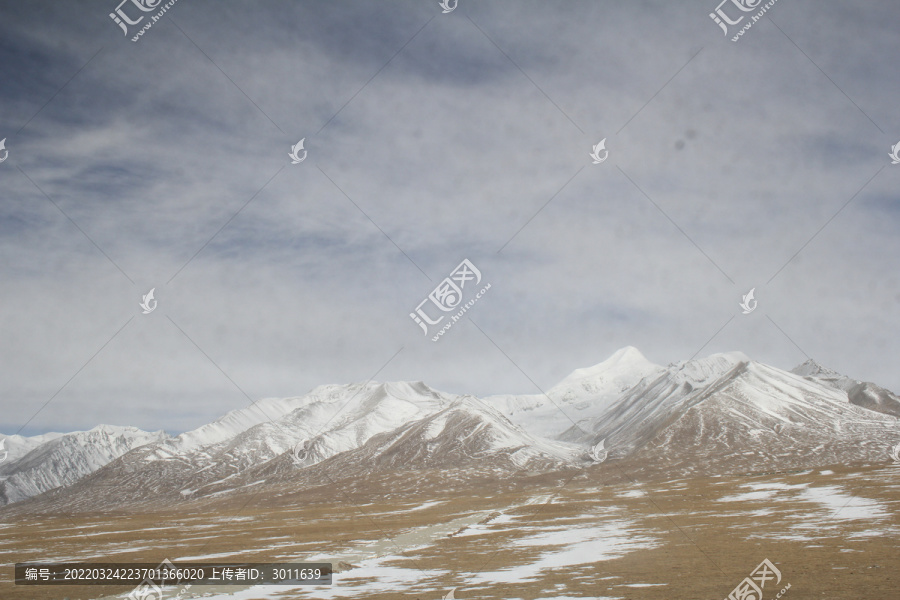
x,y
670,419
812,368
698,370
733,357
624,360
117,429
626,352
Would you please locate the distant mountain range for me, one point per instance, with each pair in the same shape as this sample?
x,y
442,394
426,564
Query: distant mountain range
x,y
53,460
715,415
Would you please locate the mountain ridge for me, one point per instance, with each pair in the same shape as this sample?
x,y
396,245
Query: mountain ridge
x,y
721,413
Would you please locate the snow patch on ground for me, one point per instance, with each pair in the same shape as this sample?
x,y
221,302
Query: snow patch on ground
x,y
749,496
842,505
426,505
484,528
577,546
632,494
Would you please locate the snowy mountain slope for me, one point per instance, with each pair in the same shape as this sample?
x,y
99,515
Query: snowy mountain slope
x,y
874,397
579,398
722,413
466,434
749,417
233,423
63,459
467,431
654,402
331,419
16,446
824,375
861,393
336,420
384,408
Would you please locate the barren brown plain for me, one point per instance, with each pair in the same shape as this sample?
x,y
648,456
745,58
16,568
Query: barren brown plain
x,y
833,533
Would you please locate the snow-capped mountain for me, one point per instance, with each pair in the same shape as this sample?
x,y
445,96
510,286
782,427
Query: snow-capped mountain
x,y
861,393
727,413
656,401
817,372
467,431
874,397
231,424
723,413
465,434
44,462
377,409
331,419
14,447
61,459
579,398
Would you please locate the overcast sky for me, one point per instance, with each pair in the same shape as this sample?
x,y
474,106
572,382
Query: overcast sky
x,y
433,138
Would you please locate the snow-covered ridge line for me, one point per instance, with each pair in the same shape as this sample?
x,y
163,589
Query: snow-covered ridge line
x,y
65,458
707,413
